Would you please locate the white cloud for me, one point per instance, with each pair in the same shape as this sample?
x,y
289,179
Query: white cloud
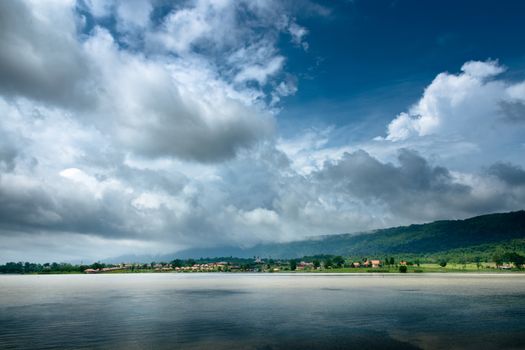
x,y
482,70
516,92
259,216
260,73
455,104
134,13
465,109
99,8
298,33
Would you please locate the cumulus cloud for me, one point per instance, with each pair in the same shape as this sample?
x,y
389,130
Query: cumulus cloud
x,y
411,189
40,56
156,109
157,93
88,109
158,133
482,70
451,103
475,108
511,174
257,197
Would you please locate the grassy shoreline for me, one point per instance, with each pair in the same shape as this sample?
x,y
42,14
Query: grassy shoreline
x,y
343,270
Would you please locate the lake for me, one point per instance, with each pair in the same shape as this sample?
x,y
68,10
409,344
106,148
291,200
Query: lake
x,y
262,311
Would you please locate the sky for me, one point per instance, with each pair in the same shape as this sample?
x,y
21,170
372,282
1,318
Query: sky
x,y
151,126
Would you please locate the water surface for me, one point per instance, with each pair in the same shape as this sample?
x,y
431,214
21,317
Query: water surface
x,y
262,311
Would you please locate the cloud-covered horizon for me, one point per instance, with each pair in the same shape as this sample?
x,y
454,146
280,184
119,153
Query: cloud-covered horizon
x,y
136,127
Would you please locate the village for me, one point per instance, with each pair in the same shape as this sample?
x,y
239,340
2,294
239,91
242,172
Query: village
x,y
256,265
328,264
510,262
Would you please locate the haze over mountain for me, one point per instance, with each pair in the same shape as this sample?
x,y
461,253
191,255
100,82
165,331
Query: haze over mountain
x,y
438,236
151,127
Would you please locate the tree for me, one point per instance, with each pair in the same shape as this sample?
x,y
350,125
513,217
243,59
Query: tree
x,y
293,264
463,261
95,266
316,263
442,263
497,258
403,269
328,263
392,261
514,258
176,263
417,262
339,261
477,260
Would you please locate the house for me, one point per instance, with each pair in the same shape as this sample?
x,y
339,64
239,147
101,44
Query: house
x,y
356,264
305,265
90,271
403,263
375,263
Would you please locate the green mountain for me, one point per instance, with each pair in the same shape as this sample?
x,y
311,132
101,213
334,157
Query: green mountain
x,y
477,236
438,236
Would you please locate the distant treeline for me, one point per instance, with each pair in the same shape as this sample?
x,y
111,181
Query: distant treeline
x,y
27,267
509,253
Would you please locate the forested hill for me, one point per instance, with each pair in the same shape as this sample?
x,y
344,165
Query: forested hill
x,y
418,239
439,236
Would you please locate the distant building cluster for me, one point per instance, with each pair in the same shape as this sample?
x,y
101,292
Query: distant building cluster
x,y
120,267
367,263
258,264
303,265
208,267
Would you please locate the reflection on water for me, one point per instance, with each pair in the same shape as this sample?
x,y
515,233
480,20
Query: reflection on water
x,y
262,311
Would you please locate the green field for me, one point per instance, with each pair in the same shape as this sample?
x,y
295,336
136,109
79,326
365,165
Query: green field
x,y
423,268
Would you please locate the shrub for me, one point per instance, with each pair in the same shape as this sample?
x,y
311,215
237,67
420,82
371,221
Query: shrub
x,y
402,269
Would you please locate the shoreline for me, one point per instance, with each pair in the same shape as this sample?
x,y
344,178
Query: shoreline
x,y
290,273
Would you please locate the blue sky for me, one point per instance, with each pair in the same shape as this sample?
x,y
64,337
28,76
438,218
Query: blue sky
x,y
373,58
150,126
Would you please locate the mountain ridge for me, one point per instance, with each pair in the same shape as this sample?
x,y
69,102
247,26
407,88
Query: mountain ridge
x,y
437,236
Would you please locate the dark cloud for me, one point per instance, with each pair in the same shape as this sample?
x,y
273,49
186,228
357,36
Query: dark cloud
x,y
31,208
173,130
511,174
413,190
7,158
367,177
513,112
40,57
